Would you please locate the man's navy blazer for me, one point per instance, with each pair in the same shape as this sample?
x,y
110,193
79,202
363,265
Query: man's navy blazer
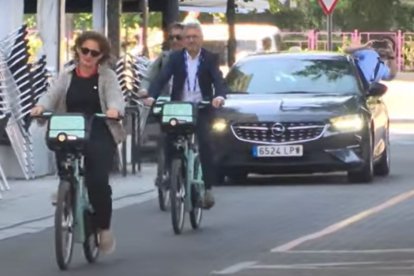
x,y
210,78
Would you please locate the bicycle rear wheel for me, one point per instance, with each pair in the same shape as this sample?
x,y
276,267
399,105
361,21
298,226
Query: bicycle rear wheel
x,y
196,213
64,225
91,243
177,194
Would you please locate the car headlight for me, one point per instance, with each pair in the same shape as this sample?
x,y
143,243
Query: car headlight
x,y
347,123
219,125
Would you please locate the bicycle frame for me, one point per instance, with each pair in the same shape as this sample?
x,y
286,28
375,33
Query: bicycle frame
x,y
186,146
73,164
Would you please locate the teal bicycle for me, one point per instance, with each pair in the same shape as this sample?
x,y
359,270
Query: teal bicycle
x,y
162,179
178,120
67,134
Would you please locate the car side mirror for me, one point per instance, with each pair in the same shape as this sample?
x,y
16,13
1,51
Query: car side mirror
x,y
377,89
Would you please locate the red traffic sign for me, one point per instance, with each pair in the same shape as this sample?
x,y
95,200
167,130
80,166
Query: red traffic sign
x,y
328,5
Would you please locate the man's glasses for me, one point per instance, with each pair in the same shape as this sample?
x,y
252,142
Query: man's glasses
x,y
192,37
176,37
85,51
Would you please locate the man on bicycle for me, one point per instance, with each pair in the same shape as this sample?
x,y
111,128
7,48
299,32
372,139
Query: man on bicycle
x,y
196,77
175,41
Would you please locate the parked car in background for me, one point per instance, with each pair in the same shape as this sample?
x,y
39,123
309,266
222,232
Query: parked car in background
x,y
301,113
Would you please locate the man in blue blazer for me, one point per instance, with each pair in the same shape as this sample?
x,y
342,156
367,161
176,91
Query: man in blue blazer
x,y
195,77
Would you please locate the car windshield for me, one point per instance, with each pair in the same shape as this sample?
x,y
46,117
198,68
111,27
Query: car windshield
x,y
293,75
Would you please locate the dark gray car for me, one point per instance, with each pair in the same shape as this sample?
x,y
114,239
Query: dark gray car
x,y
301,113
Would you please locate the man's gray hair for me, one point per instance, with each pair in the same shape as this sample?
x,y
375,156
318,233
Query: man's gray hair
x,y
193,25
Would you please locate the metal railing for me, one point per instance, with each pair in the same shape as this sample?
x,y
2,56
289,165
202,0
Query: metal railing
x,y
317,40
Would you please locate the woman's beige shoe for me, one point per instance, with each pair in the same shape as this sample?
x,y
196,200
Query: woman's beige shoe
x,y
107,242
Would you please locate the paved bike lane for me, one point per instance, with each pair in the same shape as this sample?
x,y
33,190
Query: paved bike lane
x,y
27,207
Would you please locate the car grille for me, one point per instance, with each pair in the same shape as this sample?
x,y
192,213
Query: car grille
x,y
283,132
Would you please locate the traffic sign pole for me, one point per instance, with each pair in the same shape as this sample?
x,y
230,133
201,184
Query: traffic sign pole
x,y
329,27
328,6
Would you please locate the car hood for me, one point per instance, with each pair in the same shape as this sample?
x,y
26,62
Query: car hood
x,y
287,106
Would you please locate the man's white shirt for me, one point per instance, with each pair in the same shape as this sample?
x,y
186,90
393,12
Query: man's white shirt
x,y
192,91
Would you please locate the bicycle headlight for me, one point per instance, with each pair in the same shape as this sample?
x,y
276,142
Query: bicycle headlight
x,y
347,123
219,125
61,137
173,122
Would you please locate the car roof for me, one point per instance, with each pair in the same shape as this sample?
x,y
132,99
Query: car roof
x,y
297,55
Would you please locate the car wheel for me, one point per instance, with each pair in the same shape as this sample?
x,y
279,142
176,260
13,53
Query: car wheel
x,y
383,167
366,173
237,177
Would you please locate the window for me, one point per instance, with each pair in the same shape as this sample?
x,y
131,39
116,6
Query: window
x,y
262,75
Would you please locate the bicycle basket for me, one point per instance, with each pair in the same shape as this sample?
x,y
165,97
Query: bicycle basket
x,y
178,117
66,132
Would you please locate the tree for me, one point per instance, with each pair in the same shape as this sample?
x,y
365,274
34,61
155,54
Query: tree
x,y
82,21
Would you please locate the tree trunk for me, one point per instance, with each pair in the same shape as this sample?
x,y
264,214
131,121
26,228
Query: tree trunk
x,y
231,19
169,15
114,26
144,14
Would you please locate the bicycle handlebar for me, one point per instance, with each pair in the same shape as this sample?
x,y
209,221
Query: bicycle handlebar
x,y
48,114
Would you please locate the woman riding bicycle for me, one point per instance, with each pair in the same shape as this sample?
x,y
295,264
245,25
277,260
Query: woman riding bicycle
x,y
90,87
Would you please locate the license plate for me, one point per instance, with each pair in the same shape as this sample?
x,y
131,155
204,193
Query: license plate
x,y
278,151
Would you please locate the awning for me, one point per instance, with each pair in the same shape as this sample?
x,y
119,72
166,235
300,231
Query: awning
x,y
221,6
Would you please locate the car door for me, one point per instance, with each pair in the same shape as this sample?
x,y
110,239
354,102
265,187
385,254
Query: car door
x,y
379,115
380,122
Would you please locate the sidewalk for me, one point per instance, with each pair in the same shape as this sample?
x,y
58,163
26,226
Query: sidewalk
x,y
27,208
400,98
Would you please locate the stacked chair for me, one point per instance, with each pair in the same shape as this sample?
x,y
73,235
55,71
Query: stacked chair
x,y
21,84
130,70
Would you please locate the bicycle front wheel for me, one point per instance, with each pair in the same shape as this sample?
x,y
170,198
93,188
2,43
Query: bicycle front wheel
x,y
177,194
64,225
196,213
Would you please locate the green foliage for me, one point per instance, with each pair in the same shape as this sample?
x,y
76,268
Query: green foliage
x,y
30,20
130,20
155,19
82,21
275,6
408,53
364,15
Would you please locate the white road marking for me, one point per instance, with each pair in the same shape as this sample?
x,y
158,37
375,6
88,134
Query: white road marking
x,y
234,268
345,265
370,265
344,223
365,251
